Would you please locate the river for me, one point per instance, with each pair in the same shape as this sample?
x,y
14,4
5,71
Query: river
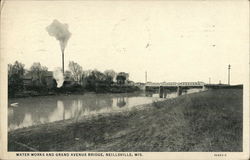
x,y
39,110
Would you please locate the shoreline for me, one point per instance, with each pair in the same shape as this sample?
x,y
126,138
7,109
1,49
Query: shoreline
x,y
63,91
195,122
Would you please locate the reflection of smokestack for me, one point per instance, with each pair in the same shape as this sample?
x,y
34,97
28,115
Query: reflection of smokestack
x,y
60,105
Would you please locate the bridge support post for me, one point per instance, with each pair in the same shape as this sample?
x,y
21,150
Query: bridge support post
x,y
179,91
161,91
164,92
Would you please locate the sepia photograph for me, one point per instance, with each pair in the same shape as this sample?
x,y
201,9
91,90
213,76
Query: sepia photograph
x,y
124,79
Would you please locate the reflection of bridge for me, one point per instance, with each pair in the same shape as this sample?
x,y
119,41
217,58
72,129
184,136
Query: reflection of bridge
x,y
164,87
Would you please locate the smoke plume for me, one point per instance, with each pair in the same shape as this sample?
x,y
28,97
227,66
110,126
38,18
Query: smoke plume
x,y
58,76
60,32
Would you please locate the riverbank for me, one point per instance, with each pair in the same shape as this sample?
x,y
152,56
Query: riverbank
x,y
205,121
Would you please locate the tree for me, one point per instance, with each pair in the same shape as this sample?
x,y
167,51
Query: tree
x,y
76,71
38,71
97,75
94,78
109,75
122,77
15,77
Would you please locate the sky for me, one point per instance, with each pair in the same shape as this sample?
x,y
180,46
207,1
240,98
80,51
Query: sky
x,y
184,41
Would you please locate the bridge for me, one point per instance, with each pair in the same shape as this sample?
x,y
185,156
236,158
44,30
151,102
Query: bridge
x,y
164,87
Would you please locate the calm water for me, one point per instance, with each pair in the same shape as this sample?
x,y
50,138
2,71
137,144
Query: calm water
x,y
38,110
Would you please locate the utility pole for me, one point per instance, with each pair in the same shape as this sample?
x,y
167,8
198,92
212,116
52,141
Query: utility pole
x,y
229,67
146,77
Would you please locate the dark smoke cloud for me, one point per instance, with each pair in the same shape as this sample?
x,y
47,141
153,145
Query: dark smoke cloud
x,y
60,32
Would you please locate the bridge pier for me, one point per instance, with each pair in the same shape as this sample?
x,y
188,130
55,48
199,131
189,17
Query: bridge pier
x,y
179,91
162,92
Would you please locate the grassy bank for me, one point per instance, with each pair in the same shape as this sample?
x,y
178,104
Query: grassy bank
x,y
206,121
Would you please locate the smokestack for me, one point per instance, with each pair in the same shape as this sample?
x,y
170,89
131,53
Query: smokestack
x,y
63,62
61,33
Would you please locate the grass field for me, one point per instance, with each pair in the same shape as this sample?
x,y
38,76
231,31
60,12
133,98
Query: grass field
x,y
205,121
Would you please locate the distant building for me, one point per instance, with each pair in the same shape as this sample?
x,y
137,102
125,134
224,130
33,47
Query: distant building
x,y
140,84
68,76
131,82
48,77
27,81
32,80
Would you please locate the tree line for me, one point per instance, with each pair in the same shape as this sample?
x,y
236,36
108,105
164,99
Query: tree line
x,y
38,73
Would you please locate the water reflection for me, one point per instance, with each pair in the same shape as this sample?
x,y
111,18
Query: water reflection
x,y
120,101
39,110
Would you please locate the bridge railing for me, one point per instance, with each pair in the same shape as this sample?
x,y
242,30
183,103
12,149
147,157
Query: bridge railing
x,y
176,84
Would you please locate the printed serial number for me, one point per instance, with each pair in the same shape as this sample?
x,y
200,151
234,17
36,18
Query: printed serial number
x,y
220,155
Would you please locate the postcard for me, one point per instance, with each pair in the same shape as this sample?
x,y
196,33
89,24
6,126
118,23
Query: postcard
x,y
124,79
